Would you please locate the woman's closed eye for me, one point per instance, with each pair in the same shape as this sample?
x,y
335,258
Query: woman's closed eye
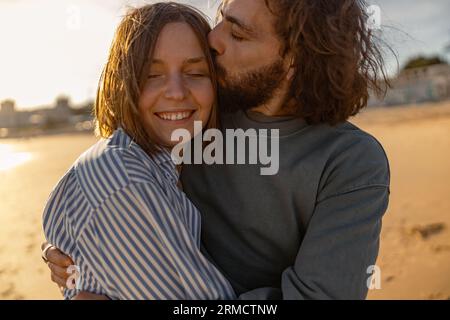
x,y
196,73
154,76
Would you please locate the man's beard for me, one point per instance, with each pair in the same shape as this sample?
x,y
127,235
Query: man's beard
x,y
251,89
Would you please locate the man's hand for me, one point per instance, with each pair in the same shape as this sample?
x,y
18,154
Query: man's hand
x,y
84,295
58,263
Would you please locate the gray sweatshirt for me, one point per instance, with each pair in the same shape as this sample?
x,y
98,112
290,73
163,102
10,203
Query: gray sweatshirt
x,y
309,232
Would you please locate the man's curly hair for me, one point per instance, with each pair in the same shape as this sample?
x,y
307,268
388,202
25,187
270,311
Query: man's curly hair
x,y
337,57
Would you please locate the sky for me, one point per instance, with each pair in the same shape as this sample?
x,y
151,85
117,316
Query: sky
x,y
50,48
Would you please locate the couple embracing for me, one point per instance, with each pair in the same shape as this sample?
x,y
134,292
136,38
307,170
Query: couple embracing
x,y
139,226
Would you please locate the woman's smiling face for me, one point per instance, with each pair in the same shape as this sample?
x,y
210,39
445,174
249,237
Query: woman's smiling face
x,y
178,89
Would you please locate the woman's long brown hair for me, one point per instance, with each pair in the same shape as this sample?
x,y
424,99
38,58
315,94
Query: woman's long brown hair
x,y
124,75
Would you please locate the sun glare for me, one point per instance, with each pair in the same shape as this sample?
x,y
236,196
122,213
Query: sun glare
x,y
9,158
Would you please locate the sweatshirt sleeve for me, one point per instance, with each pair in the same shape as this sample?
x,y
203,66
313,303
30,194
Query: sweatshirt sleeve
x,y
342,238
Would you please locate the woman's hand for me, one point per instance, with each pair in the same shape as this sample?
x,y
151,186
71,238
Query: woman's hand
x,y
58,263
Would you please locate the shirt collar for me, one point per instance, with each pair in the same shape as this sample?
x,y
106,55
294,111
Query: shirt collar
x,y
162,157
286,125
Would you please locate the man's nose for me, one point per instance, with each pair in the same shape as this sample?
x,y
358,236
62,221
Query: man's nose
x,y
215,42
176,89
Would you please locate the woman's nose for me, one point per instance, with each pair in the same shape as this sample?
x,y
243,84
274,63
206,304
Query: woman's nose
x,y
176,89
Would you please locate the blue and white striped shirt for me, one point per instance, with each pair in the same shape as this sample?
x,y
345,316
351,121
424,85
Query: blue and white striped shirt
x,y
134,235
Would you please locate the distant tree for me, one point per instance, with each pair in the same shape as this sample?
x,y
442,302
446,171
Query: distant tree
x,y
422,61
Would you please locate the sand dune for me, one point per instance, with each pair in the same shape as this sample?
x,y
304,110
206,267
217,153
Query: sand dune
x,y
415,248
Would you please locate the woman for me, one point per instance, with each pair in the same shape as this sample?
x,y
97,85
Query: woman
x,y
118,211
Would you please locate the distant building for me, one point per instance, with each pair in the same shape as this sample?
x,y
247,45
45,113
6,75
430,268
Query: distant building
x,y
7,114
60,113
60,116
8,106
418,85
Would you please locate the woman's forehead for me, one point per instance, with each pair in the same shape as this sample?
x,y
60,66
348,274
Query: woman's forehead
x,y
178,41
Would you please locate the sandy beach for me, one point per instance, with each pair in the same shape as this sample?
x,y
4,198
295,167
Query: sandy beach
x,y
415,244
415,247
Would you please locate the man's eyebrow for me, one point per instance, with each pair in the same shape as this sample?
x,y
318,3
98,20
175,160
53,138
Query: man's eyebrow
x,y
237,22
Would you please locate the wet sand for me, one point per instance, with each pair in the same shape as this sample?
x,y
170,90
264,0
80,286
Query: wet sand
x,y
24,191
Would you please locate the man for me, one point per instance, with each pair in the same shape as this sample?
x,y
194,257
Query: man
x,y
312,230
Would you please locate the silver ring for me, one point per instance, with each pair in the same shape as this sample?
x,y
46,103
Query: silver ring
x,y
44,252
